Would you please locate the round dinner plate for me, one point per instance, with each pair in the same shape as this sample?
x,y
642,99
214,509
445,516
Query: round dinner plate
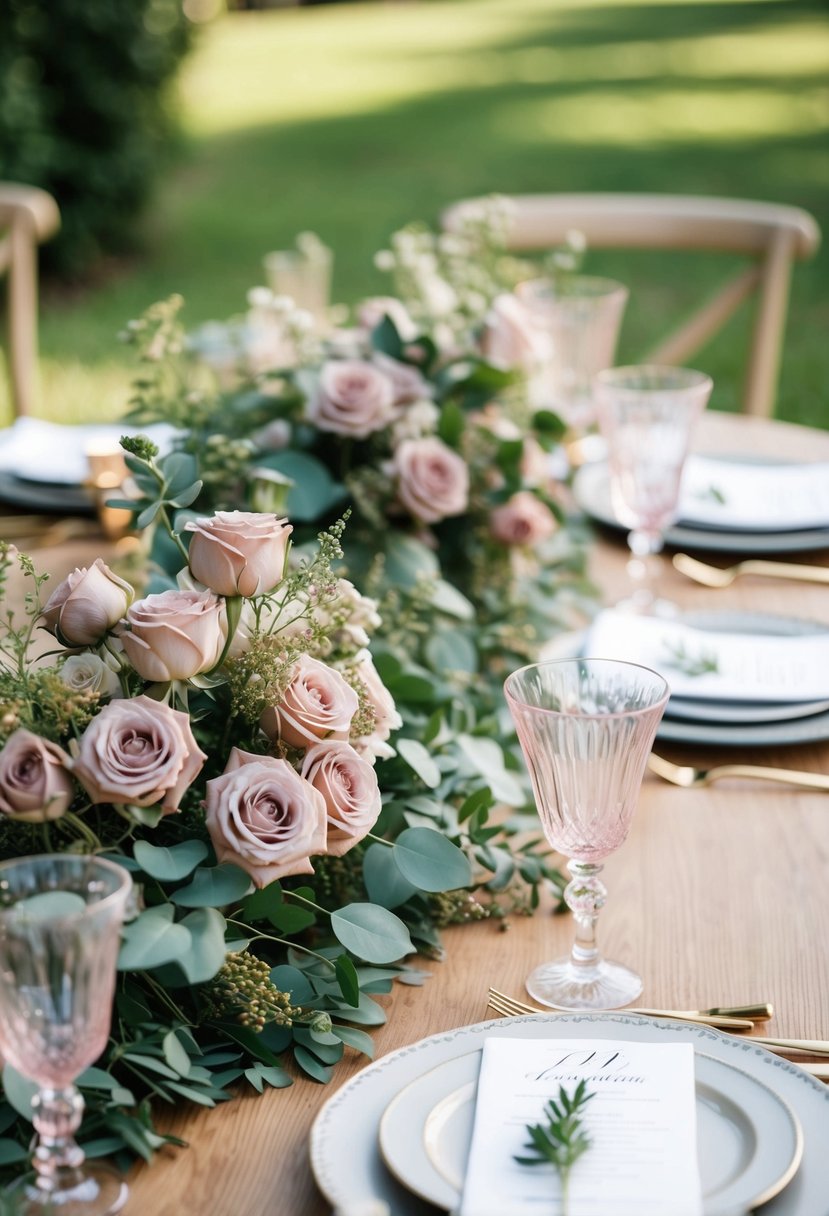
x,y
57,499
741,712
344,1147
749,1143
591,490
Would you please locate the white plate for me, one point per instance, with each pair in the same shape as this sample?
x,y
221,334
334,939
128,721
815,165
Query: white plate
x,y
741,712
749,1142
591,490
345,1155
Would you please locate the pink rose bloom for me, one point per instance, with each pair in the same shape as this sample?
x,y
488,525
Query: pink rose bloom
x,y
176,634
239,552
317,704
371,312
34,783
510,339
522,520
138,751
349,788
352,398
409,384
86,605
432,480
386,717
263,817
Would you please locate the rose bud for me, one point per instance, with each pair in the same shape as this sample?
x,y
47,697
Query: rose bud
x,y
239,552
317,704
138,751
432,480
34,784
86,605
352,398
264,818
349,787
175,634
522,520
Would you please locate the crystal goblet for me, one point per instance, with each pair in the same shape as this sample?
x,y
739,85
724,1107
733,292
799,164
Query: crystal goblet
x,y
647,416
586,727
60,917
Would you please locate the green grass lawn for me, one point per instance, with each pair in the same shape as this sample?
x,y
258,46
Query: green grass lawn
x,y
353,119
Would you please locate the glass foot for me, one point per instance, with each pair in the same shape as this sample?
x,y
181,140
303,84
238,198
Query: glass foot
x,y
561,985
92,1190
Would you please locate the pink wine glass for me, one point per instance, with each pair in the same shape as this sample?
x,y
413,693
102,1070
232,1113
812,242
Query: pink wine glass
x,y
60,920
586,727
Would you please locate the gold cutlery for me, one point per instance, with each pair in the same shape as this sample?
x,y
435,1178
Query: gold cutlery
x,y
689,778
716,576
813,1047
734,1019
821,1071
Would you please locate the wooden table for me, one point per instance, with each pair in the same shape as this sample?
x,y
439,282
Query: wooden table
x,y
719,896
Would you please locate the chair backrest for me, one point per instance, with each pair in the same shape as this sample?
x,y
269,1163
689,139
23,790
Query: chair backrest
x,y
28,216
771,235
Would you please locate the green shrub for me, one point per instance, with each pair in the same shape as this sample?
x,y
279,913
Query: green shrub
x,y
84,111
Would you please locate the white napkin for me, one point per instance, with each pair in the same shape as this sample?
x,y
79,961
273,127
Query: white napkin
x,y
716,666
642,1160
754,497
50,452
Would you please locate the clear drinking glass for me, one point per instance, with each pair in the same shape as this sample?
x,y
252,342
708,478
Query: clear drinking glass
x,y
586,727
582,316
304,274
647,416
60,918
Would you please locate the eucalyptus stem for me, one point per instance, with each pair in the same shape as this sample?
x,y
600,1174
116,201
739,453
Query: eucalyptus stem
x,y
282,941
174,536
83,830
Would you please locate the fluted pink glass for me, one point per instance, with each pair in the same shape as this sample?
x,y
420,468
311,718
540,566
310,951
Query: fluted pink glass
x,y
586,728
60,920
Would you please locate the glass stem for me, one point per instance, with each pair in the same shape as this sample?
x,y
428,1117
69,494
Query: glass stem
x,y
643,567
585,896
56,1115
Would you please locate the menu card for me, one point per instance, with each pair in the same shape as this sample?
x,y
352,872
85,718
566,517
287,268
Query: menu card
x,y
754,497
642,1160
716,666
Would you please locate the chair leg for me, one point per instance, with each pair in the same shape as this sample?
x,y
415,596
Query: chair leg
x,y
22,304
763,370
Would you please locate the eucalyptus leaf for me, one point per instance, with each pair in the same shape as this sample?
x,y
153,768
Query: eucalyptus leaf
x,y
207,952
153,939
451,650
487,758
358,1039
314,492
384,881
372,933
11,1152
429,860
169,864
291,980
213,887
175,1055
19,1091
310,1064
346,974
367,1013
408,561
419,760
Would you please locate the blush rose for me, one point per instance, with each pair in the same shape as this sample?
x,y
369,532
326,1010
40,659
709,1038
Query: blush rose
x,y
317,704
263,817
239,552
348,785
352,398
175,634
86,605
432,480
34,783
522,520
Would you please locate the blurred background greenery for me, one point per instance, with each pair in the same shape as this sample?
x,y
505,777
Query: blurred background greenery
x,y
350,120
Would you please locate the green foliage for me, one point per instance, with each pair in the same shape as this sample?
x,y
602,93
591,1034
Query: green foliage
x,y
84,111
561,1139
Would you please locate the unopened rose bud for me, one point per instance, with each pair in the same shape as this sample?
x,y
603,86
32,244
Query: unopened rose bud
x,y
86,605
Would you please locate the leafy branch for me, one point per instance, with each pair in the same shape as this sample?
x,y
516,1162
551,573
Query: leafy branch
x,y
562,1139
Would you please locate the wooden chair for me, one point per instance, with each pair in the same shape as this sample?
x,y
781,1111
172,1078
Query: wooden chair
x,y
770,234
28,216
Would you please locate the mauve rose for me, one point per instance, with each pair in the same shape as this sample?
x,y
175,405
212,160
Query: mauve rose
x,y
89,673
34,784
317,704
86,605
510,339
522,520
239,552
348,785
386,717
263,817
352,398
432,480
138,751
409,384
175,634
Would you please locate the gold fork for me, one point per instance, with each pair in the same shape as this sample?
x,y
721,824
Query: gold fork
x,y
688,778
715,576
724,1019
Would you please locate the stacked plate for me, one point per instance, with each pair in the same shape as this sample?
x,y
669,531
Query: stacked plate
x,y
400,1130
731,505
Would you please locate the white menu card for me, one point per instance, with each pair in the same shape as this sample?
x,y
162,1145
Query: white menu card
x,y
642,1160
762,497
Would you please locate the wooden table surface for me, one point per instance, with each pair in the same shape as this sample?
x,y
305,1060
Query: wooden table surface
x,y
719,896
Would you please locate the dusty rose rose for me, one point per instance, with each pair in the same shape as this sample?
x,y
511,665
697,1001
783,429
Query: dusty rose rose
x,y
317,704
263,817
352,398
138,751
522,520
89,673
510,339
239,552
34,784
175,634
386,717
86,605
348,785
432,480
409,384
371,312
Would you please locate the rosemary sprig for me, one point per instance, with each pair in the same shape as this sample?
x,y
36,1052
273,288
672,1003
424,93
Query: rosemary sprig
x,y
681,659
562,1139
